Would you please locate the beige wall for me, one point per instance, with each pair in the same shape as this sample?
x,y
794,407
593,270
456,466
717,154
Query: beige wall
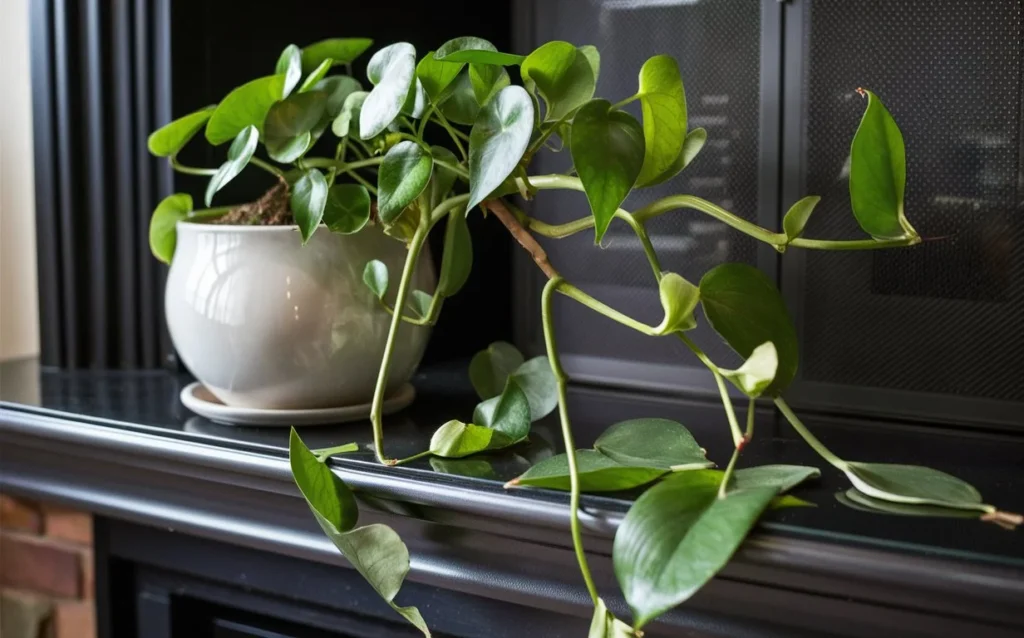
x,y
19,307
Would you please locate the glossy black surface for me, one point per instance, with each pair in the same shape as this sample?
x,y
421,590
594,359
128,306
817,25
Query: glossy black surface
x,y
148,402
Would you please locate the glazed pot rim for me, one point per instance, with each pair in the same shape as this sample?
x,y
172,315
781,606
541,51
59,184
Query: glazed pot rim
x,y
238,228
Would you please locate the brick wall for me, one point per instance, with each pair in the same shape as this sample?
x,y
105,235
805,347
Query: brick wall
x,y
46,571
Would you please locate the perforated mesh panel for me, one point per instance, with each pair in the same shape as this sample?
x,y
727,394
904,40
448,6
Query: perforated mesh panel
x,y
947,316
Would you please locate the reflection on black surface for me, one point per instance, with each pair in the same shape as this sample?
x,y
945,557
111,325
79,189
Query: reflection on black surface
x,y
148,401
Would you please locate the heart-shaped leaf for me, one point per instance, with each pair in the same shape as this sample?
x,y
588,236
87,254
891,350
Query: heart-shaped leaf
x,y
878,173
342,124
375,276
171,138
307,201
456,439
663,102
654,443
487,80
392,70
564,77
315,76
163,233
286,130
403,175
476,50
497,141
757,372
457,260
606,625
538,383
420,302
290,65
858,500
678,299
597,473
913,484
677,535
692,145
780,477
796,217
607,149
338,50
245,106
745,308
347,209
436,75
508,414
489,369
239,154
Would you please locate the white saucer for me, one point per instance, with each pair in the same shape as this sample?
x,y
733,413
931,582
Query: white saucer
x,y
200,400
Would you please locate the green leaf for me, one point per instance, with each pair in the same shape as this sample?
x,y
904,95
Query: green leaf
x,y
878,173
459,103
403,175
337,88
239,154
326,494
308,200
538,383
171,138
780,477
436,75
796,217
375,276
349,113
677,535
315,76
679,298
745,309
508,414
564,77
393,71
487,80
347,209
245,106
488,369
858,500
473,468
419,302
597,473
416,100
663,102
757,372
286,130
457,260
654,443
476,50
163,233
607,149
497,141
913,484
692,145
456,439
338,50
289,65
788,500
606,625
593,57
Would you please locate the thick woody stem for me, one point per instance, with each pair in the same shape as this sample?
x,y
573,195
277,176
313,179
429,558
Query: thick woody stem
x,y
522,236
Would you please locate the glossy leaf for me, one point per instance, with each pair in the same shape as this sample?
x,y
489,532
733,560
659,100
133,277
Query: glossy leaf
x,y
913,484
655,443
796,217
663,103
315,76
392,70
459,103
473,468
326,494
597,473
290,65
538,383
563,76
488,369
245,106
606,625
419,302
163,233
781,477
435,75
745,308
416,100
307,201
342,124
497,141
487,80
878,173
679,298
858,500
339,50
239,154
692,145
403,175
757,372
476,50
337,88
347,209
286,130
171,138
456,439
607,149
677,536
508,413
457,259
375,276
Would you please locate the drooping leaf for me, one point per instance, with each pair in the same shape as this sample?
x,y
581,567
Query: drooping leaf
x,y
679,298
245,106
342,124
315,76
497,141
858,500
456,439
607,149
442,179
796,217
290,65
307,201
510,414
419,302
677,535
339,50
326,494
488,369
692,145
878,173
171,138
392,70
745,308
663,102
375,276
781,477
403,175
597,473
286,130
347,209
913,484
476,50
487,80
606,625
436,75
564,77
239,154
538,383
655,443
457,259
163,234
757,372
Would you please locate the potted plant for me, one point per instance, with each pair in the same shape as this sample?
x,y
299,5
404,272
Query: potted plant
x,y
691,518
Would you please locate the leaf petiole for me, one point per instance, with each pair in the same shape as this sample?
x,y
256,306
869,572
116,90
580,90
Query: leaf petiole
x,y
812,440
325,453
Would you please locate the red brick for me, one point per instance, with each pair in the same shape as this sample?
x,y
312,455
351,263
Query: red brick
x,y
88,575
74,619
68,525
19,516
31,564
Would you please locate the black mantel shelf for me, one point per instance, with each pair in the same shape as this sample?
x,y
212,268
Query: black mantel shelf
x,y
122,445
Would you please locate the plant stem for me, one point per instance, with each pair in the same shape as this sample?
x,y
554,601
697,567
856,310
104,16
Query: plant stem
x,y
854,244
723,390
748,436
723,487
327,452
323,162
273,170
573,292
812,440
365,182
209,213
443,121
189,170
645,241
420,455
570,446
455,168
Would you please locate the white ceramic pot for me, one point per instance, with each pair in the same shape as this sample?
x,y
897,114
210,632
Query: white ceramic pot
x,y
265,322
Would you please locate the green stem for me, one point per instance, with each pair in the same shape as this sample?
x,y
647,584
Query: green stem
x,y
570,445
645,241
723,487
436,302
423,122
573,292
327,452
209,213
412,458
723,390
365,182
854,244
189,170
453,133
323,162
442,209
812,440
674,202
273,170
455,168
748,436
